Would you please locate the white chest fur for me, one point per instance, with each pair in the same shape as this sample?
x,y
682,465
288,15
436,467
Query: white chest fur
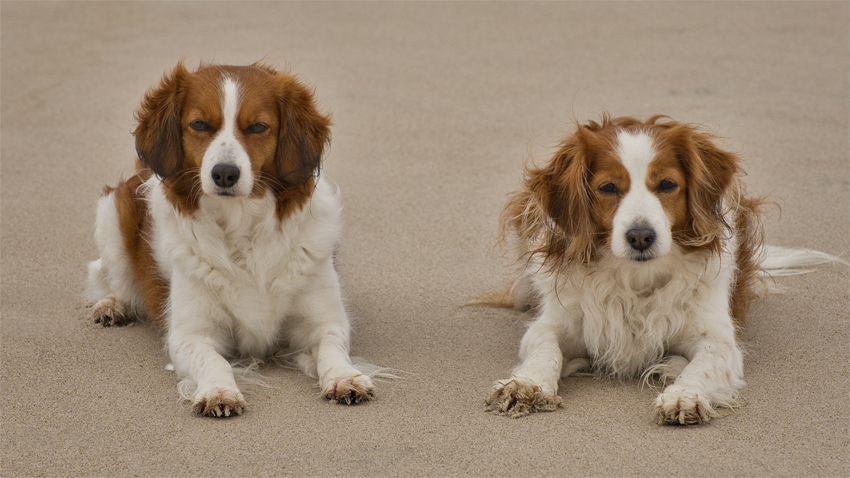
x,y
237,264
630,315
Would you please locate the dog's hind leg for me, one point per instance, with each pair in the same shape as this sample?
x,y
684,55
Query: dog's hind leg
x,y
111,284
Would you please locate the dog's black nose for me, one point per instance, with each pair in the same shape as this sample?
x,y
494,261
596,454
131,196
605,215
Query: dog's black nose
x,y
640,239
225,175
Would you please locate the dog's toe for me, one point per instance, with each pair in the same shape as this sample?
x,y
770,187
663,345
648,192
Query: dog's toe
x,y
219,402
682,407
110,311
349,390
515,398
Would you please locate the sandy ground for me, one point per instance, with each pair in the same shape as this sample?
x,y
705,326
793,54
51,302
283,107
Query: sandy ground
x,y
436,106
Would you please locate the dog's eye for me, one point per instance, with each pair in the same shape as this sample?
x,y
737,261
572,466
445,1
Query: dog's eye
x,y
608,188
257,128
667,186
199,126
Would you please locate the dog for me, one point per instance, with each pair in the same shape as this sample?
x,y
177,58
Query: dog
x,y
642,252
226,234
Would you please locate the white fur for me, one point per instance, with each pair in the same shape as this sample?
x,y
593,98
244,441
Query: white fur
x,y
225,149
242,282
109,272
781,261
639,207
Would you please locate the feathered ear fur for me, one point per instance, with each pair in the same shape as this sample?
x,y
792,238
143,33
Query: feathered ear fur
x,y
710,172
556,198
158,134
304,132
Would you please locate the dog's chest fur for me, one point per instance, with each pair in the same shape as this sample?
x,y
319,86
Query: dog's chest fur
x,y
240,257
632,316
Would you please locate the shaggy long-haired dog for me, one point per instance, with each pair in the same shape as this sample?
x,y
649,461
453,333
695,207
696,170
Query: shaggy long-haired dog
x,y
642,252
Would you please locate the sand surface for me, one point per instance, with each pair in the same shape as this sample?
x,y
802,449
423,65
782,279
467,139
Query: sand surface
x,y
436,106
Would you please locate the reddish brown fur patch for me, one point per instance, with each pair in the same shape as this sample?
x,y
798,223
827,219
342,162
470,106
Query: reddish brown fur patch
x,y
505,298
667,167
304,131
159,139
748,229
134,224
606,169
711,174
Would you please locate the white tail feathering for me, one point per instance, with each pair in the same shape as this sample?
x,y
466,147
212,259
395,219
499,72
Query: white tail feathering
x,y
781,261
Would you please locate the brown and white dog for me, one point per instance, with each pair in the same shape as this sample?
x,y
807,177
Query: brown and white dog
x,y
226,233
643,252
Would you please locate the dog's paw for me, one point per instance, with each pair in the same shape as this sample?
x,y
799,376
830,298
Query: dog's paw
x,y
349,390
680,406
219,402
109,311
515,398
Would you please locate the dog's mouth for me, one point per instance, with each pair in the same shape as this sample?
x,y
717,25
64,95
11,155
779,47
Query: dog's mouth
x,y
645,256
227,192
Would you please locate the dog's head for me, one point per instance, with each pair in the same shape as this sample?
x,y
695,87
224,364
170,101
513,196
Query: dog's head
x,y
636,188
231,131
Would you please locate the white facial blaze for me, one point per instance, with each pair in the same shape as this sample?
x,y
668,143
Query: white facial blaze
x,y
226,149
639,208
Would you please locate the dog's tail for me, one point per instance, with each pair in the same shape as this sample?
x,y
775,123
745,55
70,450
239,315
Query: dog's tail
x,y
781,261
519,294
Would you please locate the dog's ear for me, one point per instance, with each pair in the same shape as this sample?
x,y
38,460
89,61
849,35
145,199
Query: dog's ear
x,y
159,143
709,172
304,132
562,187
560,190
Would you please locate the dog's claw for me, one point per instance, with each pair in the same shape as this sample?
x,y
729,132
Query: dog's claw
x,y
515,398
681,407
219,402
350,390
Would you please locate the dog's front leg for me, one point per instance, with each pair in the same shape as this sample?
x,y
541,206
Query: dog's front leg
x,y
711,380
339,380
195,359
533,385
195,347
324,337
